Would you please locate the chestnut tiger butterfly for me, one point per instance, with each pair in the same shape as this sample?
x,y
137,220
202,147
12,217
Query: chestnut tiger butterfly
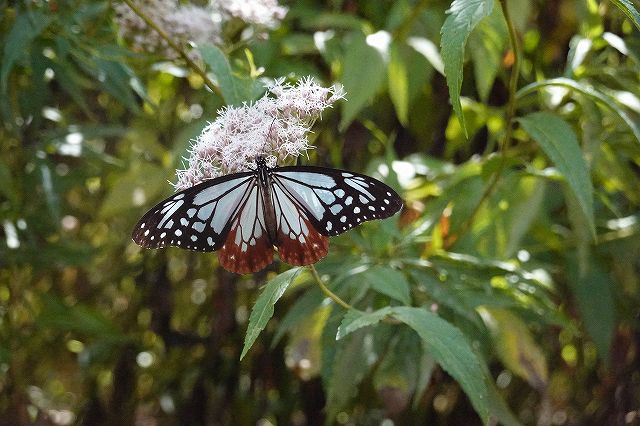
x,y
245,215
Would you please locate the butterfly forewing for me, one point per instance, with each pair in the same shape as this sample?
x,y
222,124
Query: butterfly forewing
x,y
197,218
337,200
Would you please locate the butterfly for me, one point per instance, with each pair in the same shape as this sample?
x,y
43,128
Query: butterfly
x,y
245,215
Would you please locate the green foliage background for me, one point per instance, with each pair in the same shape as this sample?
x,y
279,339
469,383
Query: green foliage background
x,y
507,290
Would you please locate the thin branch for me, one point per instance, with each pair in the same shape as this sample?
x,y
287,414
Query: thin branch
x,y
509,116
207,81
326,290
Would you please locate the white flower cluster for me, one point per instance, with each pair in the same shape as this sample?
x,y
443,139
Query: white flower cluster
x,y
190,23
265,13
182,23
274,127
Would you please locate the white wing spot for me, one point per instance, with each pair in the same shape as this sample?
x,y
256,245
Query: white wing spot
x,y
386,201
343,219
349,200
191,212
169,224
153,238
210,241
146,232
194,238
184,222
178,232
382,208
301,238
336,208
339,193
347,175
356,210
363,199
372,208
142,226
164,234
178,197
329,226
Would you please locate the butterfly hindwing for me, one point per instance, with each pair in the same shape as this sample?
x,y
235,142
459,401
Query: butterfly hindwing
x,y
299,242
247,247
337,200
196,218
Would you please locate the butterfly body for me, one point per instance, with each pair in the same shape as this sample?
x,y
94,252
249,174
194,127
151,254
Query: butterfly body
x,y
245,215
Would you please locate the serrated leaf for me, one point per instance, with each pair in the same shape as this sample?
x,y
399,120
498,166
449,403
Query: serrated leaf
x,y
516,347
463,17
628,9
362,76
263,309
26,28
355,320
217,61
558,140
452,351
586,90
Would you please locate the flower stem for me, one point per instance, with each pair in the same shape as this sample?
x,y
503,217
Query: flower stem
x,y
509,116
190,63
331,295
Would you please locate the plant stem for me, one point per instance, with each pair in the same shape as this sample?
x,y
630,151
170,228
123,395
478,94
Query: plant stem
x,y
509,116
331,295
207,81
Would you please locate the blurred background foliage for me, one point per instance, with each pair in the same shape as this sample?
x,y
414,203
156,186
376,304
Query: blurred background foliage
x,y
526,252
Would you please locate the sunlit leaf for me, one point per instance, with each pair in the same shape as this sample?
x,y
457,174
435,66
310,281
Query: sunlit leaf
x,y
263,308
589,91
463,17
558,140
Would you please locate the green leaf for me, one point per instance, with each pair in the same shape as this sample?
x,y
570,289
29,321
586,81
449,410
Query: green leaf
x,y
628,9
399,84
464,15
593,290
407,72
303,307
232,88
362,77
77,318
116,79
139,184
387,281
350,365
355,320
450,349
26,28
487,45
516,347
263,309
588,91
558,140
